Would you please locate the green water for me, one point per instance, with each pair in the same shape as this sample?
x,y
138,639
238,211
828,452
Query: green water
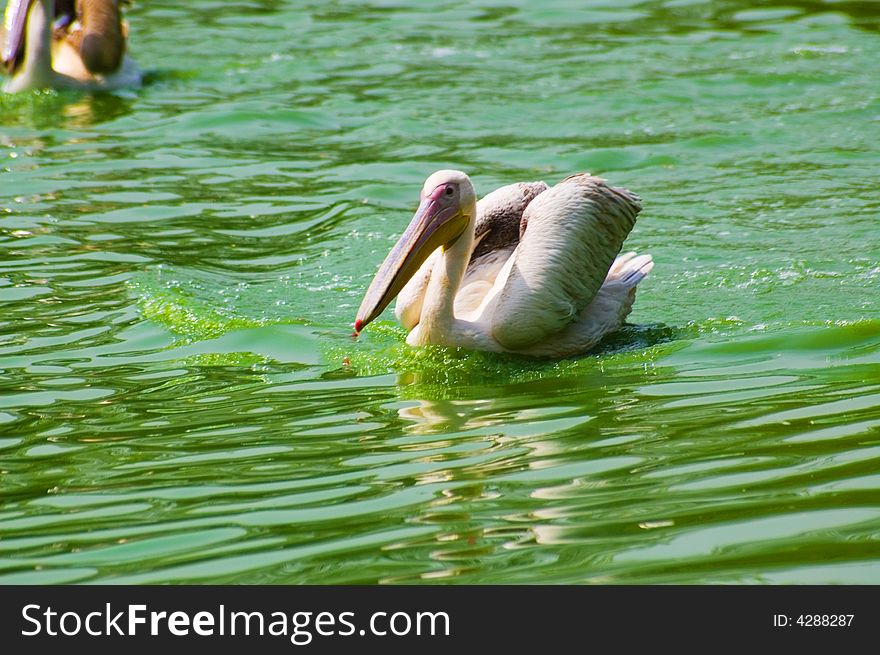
x,y
180,400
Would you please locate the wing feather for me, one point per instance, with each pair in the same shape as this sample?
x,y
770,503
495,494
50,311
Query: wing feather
x,y
573,233
499,221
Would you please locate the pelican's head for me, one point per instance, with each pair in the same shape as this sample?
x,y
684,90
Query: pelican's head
x,y
447,210
103,43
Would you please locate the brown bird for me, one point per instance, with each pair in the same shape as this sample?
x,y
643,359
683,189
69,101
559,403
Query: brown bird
x,y
66,44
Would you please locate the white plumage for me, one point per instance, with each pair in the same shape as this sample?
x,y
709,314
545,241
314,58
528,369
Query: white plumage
x,y
534,271
574,231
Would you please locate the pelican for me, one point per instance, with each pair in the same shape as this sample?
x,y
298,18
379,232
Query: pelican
x,y
66,44
528,269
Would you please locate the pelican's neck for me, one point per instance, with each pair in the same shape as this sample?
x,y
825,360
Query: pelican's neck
x,y
36,67
438,316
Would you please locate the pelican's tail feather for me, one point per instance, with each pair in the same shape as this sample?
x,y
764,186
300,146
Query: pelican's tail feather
x,y
629,269
618,292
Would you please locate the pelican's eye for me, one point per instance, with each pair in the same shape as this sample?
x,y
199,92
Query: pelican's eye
x,y
449,190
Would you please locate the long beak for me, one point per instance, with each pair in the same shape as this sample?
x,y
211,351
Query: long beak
x,y
431,227
14,23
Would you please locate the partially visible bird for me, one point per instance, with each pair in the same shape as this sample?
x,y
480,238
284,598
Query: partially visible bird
x,y
66,44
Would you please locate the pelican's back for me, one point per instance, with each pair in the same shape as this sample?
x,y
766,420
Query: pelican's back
x,y
573,233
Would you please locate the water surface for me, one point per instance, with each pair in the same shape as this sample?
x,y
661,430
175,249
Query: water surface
x,y
180,399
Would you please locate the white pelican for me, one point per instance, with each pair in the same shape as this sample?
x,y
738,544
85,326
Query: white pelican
x,y
527,270
66,44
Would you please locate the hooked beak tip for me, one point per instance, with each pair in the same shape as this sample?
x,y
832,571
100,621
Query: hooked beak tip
x,y
358,326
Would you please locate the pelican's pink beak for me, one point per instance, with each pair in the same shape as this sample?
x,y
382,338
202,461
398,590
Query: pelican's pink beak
x,y
435,224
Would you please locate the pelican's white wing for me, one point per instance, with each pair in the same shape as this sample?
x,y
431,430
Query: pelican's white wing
x,y
573,233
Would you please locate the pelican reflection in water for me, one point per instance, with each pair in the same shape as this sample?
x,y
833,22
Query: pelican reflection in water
x,y
66,44
528,269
